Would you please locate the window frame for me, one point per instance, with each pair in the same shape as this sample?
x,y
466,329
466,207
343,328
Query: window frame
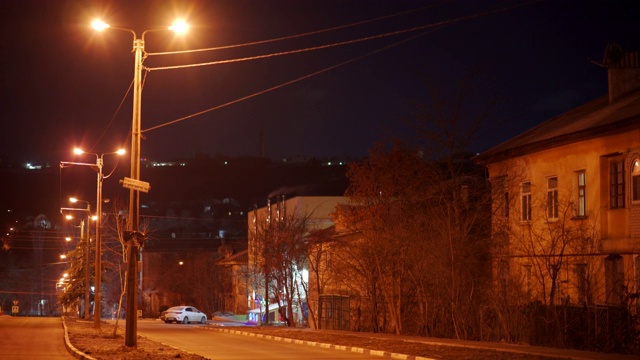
x,y
505,199
614,279
525,202
582,283
616,184
635,181
552,198
581,194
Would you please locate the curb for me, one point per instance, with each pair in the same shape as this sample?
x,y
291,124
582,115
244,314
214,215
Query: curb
x,y
358,350
80,355
72,349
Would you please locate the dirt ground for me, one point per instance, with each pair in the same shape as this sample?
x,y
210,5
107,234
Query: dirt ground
x,y
104,346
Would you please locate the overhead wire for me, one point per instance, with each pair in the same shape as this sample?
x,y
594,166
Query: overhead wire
x,y
433,26
115,115
280,85
225,47
347,42
297,51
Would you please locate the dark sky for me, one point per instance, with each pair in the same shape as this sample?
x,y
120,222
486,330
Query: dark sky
x,y
64,85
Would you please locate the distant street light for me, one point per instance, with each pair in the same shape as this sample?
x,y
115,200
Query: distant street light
x,y
98,262
133,247
84,236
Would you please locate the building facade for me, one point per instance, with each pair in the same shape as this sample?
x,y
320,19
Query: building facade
x,y
566,200
275,232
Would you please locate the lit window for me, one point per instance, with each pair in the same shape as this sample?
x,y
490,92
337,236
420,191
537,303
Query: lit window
x,y
526,201
581,203
616,184
552,197
635,180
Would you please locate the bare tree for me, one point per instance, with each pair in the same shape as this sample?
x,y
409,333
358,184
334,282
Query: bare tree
x,y
423,210
388,194
281,248
319,246
551,245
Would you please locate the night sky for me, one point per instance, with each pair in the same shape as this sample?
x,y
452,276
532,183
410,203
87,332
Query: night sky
x,y
64,85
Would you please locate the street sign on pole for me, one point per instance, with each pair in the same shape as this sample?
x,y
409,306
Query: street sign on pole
x,y
134,184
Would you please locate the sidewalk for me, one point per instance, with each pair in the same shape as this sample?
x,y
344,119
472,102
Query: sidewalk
x,y
523,349
503,347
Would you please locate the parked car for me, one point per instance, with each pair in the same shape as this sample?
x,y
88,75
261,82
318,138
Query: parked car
x,y
183,314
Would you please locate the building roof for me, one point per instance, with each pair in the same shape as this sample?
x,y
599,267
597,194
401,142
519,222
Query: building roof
x,y
593,119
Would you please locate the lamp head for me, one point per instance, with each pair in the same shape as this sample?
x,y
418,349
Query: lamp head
x,y
99,25
179,27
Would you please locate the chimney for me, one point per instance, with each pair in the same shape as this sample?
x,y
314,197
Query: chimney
x,y
623,69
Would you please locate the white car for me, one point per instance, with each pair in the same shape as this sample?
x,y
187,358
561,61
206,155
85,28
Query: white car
x,y
183,314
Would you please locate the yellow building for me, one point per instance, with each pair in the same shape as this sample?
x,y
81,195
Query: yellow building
x,y
566,199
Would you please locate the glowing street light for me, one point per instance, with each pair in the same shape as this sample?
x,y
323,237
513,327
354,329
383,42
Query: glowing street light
x,y
179,27
133,247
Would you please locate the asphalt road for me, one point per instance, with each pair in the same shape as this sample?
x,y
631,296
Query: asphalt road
x,y
218,346
32,338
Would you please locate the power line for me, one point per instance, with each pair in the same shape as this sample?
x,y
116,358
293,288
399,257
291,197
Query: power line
x,y
291,36
433,27
347,42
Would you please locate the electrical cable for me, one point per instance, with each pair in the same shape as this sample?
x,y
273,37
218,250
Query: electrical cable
x,y
284,84
292,36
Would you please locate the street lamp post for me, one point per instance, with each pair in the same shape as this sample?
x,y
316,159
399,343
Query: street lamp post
x,y
84,234
133,244
98,263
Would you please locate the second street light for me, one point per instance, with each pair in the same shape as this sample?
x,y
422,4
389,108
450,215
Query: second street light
x,y
98,263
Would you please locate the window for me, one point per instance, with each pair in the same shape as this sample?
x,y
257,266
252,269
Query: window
x,y
616,184
527,279
501,196
614,279
635,180
581,201
552,198
505,198
582,283
503,273
526,201
637,261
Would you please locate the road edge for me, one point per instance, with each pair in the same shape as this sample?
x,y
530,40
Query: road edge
x,y
70,348
384,354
